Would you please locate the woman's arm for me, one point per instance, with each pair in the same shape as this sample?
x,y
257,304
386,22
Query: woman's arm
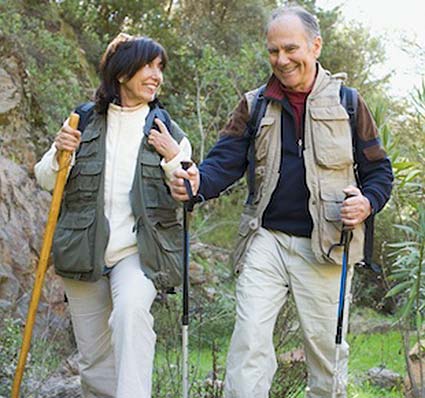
x,y
67,139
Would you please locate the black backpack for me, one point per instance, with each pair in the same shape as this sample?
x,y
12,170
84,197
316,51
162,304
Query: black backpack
x,y
349,100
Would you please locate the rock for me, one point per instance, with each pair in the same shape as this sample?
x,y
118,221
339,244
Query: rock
x,y
384,378
10,94
367,321
418,351
296,355
197,274
59,387
23,213
22,135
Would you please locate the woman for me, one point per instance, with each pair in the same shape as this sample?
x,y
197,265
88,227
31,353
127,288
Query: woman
x,y
118,238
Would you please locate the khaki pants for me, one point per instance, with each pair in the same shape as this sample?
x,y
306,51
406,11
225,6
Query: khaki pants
x,y
278,265
114,331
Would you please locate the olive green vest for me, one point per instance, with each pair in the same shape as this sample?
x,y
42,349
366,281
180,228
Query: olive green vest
x,y
328,158
82,231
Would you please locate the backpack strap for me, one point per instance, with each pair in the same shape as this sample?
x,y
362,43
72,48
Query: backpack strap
x,y
156,112
258,110
349,100
85,111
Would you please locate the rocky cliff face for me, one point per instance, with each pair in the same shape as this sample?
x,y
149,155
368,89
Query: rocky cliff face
x,y
23,205
22,135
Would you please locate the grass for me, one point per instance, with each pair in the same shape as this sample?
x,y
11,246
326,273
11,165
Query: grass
x,y
367,351
377,350
372,351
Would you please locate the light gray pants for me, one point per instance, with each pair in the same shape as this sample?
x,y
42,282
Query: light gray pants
x,y
276,265
113,327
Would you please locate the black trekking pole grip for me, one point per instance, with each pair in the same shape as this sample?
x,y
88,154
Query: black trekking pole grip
x,y
347,228
191,202
185,166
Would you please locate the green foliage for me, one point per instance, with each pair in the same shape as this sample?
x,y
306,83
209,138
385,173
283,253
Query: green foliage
x,y
409,269
59,78
408,252
44,357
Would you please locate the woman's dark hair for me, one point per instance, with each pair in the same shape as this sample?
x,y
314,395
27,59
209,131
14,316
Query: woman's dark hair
x,y
124,56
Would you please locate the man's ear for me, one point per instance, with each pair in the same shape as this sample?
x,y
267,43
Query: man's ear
x,y
317,46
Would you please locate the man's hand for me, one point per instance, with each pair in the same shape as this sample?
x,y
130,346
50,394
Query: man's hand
x,y
356,208
68,139
178,190
162,141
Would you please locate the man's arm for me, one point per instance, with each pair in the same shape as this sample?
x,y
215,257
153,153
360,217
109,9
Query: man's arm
x,y
374,170
225,163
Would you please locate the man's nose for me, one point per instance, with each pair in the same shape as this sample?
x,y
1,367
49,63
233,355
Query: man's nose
x,y
282,58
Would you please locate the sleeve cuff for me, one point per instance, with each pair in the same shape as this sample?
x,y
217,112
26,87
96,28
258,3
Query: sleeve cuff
x,y
174,164
373,203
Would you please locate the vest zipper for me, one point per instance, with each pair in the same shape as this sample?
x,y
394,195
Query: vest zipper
x,y
300,147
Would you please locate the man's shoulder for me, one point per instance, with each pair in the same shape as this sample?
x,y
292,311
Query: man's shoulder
x,y
251,97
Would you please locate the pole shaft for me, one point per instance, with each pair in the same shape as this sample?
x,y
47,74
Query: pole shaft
x,y
64,159
186,259
343,283
185,347
187,207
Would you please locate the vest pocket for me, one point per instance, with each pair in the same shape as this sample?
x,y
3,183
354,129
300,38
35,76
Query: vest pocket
x,y
330,225
156,192
170,251
73,242
84,177
87,149
331,136
161,248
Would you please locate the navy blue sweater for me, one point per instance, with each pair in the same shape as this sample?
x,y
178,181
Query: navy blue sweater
x,y
288,207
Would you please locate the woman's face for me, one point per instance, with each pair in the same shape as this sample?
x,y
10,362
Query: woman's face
x,y
143,86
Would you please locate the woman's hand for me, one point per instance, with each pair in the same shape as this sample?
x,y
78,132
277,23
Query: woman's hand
x,y
162,141
68,139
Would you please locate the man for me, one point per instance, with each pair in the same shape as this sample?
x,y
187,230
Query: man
x,y
304,171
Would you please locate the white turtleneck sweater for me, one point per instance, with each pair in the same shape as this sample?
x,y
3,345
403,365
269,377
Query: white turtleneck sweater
x,y
123,139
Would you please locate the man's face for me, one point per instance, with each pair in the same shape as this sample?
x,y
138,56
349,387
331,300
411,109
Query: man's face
x,y
143,86
292,54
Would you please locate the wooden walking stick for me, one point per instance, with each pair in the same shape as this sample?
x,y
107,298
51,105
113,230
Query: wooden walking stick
x,y
64,159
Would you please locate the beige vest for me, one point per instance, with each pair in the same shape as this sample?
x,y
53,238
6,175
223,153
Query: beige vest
x,y
328,158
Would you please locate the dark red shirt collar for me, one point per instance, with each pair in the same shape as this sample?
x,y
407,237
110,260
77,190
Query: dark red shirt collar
x,y
277,91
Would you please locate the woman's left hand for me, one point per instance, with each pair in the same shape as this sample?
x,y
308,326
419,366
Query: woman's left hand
x,y
162,141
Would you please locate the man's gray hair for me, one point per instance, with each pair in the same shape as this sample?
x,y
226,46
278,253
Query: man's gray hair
x,y
309,21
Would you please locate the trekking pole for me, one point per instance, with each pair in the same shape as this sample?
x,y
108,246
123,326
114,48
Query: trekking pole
x,y
187,207
346,236
64,160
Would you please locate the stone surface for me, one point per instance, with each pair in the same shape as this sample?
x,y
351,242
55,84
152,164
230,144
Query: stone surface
x,y
23,213
22,134
384,378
